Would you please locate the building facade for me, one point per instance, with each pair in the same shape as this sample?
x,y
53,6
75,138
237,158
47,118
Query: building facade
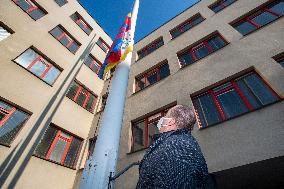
x,y
224,59
50,94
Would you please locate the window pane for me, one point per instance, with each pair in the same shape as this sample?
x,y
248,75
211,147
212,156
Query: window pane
x,y
46,141
88,61
216,8
51,75
36,14
38,68
245,28
264,18
281,62
74,47
5,106
197,20
228,2
56,32
201,52
152,78
58,150
152,130
197,106
82,97
61,2
186,58
95,67
140,84
216,42
65,40
248,94
72,90
2,115
26,58
3,33
24,4
138,130
278,8
90,103
175,33
259,88
209,109
12,126
73,152
231,104
164,71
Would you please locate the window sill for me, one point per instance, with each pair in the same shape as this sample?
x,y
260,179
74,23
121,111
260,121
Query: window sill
x,y
278,101
54,162
6,145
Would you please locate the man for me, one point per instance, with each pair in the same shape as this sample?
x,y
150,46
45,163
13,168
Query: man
x,y
174,160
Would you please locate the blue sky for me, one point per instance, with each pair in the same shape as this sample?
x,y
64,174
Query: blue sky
x,y
152,13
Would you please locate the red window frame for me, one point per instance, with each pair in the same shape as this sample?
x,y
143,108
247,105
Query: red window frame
x,y
204,43
181,27
232,85
147,122
220,3
7,113
155,70
249,18
33,6
146,50
94,62
102,44
55,140
64,34
79,19
80,90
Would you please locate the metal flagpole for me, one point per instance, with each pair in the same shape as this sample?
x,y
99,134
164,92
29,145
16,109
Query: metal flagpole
x,y
102,162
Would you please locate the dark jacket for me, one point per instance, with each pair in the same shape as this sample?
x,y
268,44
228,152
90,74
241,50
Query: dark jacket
x,y
173,161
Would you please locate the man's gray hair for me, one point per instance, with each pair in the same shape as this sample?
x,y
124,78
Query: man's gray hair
x,y
183,115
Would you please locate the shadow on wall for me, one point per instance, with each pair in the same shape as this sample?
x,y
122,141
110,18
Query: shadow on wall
x,y
13,158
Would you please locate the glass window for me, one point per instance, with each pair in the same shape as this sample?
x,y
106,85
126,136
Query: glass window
x,y
152,130
216,42
220,5
187,58
201,51
102,45
59,147
150,48
138,133
278,7
4,33
29,7
11,122
236,97
152,76
281,62
65,39
82,96
260,18
38,65
61,2
263,18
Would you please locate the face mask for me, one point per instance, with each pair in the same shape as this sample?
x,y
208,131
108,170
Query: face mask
x,y
164,121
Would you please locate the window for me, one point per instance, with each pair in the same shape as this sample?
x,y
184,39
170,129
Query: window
x,y
76,17
260,18
220,5
150,77
61,2
150,48
93,64
144,129
39,66
236,97
65,39
103,45
59,146
201,50
92,144
280,59
190,23
4,31
32,8
82,96
11,121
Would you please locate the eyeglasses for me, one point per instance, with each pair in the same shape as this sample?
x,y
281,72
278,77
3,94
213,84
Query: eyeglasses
x,y
164,121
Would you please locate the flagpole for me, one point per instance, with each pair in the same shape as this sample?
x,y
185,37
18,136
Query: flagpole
x,y
102,162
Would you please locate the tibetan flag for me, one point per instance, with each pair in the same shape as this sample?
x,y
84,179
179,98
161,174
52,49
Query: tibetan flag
x,y
119,49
